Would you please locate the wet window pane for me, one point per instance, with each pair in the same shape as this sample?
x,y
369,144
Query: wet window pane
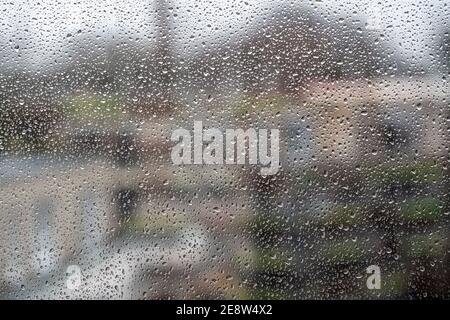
x,y
224,150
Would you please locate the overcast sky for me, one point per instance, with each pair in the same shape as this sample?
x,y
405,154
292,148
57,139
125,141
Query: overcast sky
x,y
37,32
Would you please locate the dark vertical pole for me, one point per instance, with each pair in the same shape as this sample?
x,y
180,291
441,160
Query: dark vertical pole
x,y
164,55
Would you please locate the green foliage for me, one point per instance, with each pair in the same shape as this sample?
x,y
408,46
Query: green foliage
x,y
424,209
425,245
92,106
423,172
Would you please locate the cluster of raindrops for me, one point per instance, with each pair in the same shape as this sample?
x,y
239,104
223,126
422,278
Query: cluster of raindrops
x,y
93,207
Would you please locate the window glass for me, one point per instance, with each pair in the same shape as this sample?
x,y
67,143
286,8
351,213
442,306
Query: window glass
x,y
242,149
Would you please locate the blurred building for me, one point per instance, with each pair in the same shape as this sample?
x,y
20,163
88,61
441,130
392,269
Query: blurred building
x,y
363,181
51,210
